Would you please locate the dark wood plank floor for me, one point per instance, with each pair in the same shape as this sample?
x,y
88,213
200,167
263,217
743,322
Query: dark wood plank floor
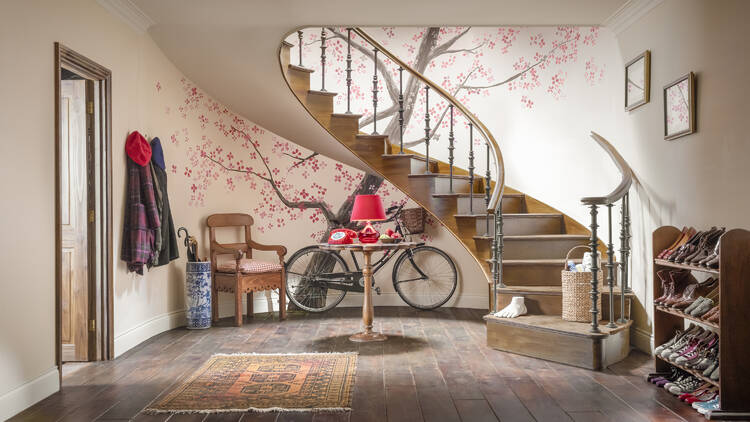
x,y
434,367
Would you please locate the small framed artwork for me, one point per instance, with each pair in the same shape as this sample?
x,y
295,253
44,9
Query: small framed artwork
x,y
638,81
679,107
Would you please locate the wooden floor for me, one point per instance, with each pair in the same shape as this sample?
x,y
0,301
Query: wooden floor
x,y
434,367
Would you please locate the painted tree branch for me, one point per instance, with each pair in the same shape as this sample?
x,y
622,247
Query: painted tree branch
x,y
444,47
521,73
301,160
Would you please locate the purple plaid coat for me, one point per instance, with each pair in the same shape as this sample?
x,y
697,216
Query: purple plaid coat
x,y
141,218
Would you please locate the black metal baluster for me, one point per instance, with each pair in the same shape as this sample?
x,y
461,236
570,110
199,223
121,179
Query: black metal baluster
x,y
594,244
471,168
496,257
299,36
487,188
611,270
375,94
427,128
323,59
348,71
401,107
451,138
624,255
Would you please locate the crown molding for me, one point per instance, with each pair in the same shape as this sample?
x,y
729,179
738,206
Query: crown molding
x,y
129,13
629,13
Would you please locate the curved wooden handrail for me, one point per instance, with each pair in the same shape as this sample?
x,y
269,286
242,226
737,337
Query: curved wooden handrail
x,y
625,171
497,191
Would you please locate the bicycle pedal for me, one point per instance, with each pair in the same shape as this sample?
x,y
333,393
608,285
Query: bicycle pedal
x,y
377,290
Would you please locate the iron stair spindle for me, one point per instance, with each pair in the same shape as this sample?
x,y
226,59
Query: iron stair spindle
x,y
624,252
471,168
626,281
299,36
496,257
322,59
487,188
594,244
427,128
348,71
451,139
401,108
375,94
611,270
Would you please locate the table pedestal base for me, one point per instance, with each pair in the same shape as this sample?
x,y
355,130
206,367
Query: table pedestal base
x,y
367,336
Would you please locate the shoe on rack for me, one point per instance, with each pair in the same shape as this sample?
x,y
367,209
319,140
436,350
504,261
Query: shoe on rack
x,y
686,232
694,305
687,246
671,341
715,374
665,285
689,236
714,364
703,308
707,406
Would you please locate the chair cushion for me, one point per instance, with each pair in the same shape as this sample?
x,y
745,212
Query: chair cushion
x,y
247,266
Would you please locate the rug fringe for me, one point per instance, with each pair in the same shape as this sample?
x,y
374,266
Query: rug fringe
x,y
283,354
249,409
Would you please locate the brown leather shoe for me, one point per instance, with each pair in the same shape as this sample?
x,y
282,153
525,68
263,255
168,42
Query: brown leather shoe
x,y
665,282
681,248
680,280
674,244
709,246
681,241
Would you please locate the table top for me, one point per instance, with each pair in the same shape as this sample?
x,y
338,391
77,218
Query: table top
x,y
378,246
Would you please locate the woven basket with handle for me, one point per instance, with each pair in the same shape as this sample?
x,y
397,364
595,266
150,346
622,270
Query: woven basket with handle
x,y
576,292
412,220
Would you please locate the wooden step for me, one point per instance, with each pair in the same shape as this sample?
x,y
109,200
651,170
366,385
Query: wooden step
x,y
544,246
515,224
320,105
532,272
441,183
549,337
299,80
547,300
512,203
345,127
410,163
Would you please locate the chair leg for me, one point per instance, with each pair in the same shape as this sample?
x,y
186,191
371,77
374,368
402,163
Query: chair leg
x,y
214,304
237,308
250,305
282,298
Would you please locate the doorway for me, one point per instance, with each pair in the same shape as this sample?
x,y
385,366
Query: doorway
x,y
83,211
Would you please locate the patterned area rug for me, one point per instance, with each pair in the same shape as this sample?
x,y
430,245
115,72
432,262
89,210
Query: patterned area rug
x,y
265,382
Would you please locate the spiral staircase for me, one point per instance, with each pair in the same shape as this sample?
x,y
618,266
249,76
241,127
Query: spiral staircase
x,y
519,242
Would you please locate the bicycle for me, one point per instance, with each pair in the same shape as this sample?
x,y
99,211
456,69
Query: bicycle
x,y
424,276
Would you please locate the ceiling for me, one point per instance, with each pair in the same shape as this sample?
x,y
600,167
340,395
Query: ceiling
x,y
230,47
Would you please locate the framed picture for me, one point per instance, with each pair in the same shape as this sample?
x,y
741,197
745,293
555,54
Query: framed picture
x,y
679,107
638,81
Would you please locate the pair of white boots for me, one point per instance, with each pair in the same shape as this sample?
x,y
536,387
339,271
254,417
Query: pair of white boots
x,y
516,308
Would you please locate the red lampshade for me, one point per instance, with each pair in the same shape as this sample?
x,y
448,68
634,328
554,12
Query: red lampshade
x,y
367,208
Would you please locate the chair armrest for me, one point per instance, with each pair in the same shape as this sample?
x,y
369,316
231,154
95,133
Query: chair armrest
x,y
218,248
280,250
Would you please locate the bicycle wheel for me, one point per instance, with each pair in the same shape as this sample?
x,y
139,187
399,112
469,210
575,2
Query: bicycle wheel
x,y
425,277
308,274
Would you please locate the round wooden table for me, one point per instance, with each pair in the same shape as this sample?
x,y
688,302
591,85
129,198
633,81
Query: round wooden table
x,y
367,311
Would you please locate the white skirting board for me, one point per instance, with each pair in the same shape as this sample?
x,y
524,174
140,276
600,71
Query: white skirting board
x,y
147,329
26,395
261,302
642,340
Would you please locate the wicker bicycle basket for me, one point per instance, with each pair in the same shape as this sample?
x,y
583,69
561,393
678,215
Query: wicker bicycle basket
x,y
576,292
412,220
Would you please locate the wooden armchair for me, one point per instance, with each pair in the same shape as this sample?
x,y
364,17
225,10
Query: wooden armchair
x,y
235,274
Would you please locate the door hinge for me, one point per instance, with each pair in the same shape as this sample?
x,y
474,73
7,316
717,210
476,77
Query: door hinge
x,y
92,216
92,325
90,107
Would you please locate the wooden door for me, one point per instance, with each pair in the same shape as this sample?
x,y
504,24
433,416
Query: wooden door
x,y
74,221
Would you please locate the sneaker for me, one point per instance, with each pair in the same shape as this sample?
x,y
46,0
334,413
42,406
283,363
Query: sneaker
x,y
704,407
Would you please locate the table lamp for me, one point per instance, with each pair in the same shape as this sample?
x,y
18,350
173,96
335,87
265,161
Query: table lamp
x,y
368,208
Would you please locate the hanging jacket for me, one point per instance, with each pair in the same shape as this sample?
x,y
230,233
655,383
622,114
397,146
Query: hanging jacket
x,y
141,223
167,249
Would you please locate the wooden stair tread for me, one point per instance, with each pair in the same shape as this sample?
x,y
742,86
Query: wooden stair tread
x,y
286,43
370,136
539,237
300,68
323,93
409,156
347,115
511,215
555,324
549,290
446,176
551,262
466,195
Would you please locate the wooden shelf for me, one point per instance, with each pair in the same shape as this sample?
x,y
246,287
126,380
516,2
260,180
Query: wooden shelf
x,y
665,263
686,316
691,371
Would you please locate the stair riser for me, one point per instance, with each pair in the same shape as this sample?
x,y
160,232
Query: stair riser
x,y
531,275
300,83
321,107
523,225
589,353
443,185
533,249
511,204
546,304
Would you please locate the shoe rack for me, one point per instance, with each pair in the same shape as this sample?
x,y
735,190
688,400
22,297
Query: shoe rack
x,y
734,323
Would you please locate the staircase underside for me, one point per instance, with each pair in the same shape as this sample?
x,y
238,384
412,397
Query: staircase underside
x,y
536,238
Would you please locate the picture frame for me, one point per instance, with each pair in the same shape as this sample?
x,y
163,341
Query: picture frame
x,y
679,107
638,81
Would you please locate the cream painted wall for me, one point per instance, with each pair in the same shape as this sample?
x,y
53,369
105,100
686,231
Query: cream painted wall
x,y
147,93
